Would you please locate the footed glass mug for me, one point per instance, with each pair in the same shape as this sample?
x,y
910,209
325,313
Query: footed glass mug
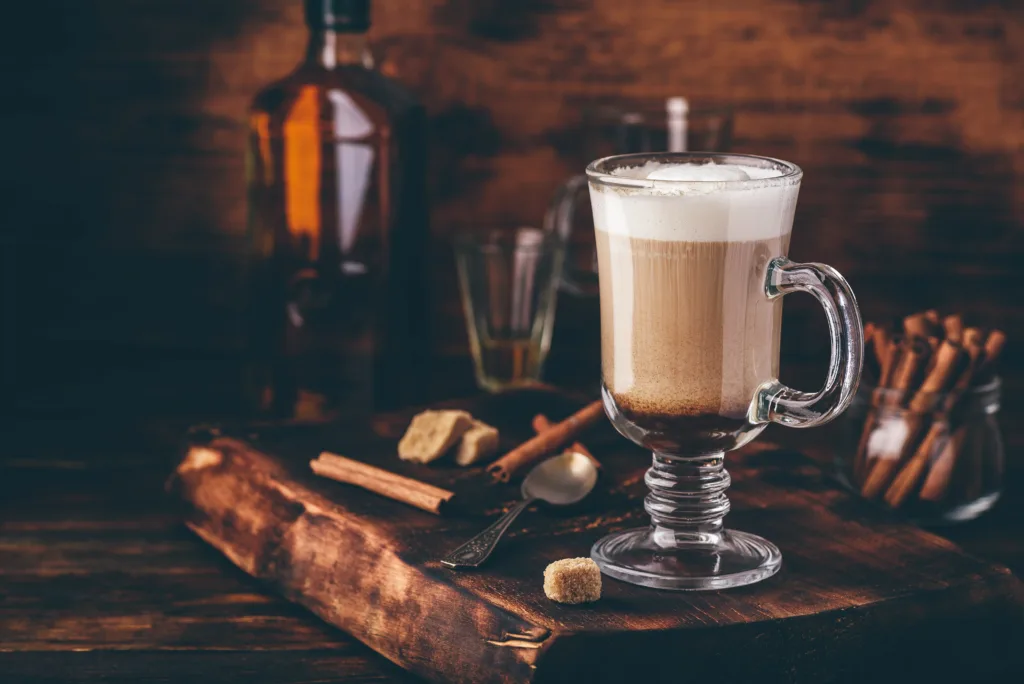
x,y
692,267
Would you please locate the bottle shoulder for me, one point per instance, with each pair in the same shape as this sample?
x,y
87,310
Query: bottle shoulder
x,y
355,86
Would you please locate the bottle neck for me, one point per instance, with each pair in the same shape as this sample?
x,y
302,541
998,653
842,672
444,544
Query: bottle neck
x,y
330,49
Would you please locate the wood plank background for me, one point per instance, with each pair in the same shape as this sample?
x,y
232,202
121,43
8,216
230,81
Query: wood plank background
x,y
125,206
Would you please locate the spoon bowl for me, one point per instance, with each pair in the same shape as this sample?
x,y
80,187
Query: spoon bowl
x,y
561,480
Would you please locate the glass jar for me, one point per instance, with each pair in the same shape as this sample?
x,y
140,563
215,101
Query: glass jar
x,y
941,465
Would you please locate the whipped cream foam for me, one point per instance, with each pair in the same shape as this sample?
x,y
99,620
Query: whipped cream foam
x,y
696,203
710,171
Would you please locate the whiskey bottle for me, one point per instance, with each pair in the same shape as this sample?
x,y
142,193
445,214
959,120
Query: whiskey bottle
x,y
338,225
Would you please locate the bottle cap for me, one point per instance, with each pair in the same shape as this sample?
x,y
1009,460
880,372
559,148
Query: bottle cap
x,y
349,16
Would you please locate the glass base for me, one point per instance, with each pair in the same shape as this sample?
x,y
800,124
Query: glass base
x,y
733,560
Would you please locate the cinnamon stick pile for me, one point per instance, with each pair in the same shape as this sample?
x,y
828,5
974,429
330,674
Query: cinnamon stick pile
x,y
914,444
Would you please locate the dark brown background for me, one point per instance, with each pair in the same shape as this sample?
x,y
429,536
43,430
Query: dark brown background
x,y
124,153
123,214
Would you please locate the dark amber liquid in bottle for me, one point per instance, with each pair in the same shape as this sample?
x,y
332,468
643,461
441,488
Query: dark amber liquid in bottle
x,y
338,220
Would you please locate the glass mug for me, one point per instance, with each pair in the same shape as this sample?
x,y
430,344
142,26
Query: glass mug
x,y
692,268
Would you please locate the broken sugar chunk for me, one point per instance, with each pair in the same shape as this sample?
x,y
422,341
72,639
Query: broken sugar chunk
x,y
478,443
573,580
431,434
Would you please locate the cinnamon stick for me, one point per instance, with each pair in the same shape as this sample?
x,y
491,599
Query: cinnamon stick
x,y
949,462
947,362
936,484
954,327
869,331
908,478
975,357
424,496
533,450
993,348
884,349
906,375
994,345
975,451
889,354
973,336
541,423
917,325
888,463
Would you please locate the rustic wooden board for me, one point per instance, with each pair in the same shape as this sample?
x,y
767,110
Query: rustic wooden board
x,y
861,594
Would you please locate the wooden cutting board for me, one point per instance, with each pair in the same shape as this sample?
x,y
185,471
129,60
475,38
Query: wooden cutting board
x,y
861,594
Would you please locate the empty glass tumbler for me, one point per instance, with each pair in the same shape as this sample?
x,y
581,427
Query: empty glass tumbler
x,y
508,281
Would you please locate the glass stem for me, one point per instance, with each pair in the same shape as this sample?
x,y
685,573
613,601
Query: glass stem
x,y
687,499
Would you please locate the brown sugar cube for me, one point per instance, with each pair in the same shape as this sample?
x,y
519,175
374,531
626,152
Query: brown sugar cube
x,y
479,442
431,434
573,580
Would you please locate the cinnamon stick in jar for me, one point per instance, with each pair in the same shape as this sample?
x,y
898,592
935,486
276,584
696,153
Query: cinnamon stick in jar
x,y
954,327
947,466
936,484
917,325
975,351
533,450
920,401
994,344
887,352
975,444
914,457
914,355
909,476
947,362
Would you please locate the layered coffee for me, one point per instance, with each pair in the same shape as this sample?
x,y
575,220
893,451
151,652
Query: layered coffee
x,y
687,331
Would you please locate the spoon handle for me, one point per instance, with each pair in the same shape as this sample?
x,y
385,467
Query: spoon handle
x,y
474,552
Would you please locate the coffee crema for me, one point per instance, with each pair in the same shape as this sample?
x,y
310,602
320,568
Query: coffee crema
x,y
687,331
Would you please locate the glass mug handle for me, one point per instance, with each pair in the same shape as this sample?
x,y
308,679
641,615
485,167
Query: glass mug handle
x,y
777,403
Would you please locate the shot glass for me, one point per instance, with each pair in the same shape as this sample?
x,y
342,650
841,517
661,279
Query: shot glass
x,y
508,281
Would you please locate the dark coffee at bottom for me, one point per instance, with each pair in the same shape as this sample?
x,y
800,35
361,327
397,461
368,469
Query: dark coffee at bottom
x,y
686,435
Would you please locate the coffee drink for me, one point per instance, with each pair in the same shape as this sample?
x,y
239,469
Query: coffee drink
x,y
688,333
692,268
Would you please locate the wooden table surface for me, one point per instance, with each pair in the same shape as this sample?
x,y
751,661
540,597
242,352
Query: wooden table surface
x,y
101,581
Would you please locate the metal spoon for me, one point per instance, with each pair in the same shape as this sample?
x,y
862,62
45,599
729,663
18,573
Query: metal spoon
x,y
560,480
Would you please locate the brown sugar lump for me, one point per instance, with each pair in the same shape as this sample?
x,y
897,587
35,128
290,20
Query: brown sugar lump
x,y
573,580
478,443
431,434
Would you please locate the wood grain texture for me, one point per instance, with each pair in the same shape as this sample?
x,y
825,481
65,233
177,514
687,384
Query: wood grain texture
x,y
100,582
907,116
855,580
